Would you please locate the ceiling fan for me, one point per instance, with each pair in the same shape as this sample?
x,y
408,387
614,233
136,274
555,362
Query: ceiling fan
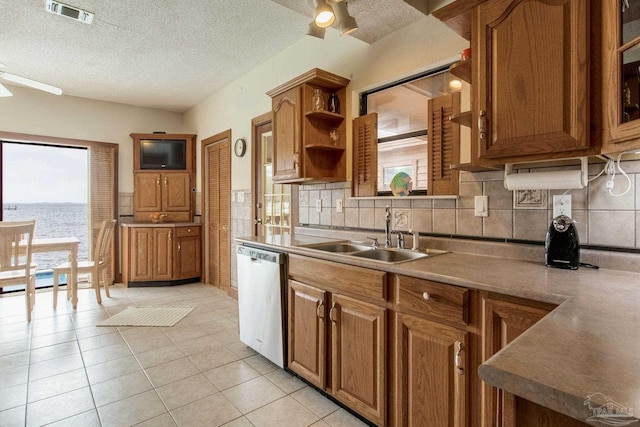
x,y
25,82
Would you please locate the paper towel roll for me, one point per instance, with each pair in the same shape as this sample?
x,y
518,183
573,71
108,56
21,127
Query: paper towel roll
x,y
556,180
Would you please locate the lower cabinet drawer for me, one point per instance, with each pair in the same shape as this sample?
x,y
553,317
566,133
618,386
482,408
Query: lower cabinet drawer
x,y
337,277
184,231
420,296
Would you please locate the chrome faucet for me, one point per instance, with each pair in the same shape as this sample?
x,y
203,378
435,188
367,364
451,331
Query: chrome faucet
x,y
400,239
387,227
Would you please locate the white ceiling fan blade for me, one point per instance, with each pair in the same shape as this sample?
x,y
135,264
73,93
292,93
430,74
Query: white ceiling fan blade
x,y
4,92
31,83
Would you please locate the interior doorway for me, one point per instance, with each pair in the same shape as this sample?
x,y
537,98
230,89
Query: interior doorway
x,y
216,210
273,203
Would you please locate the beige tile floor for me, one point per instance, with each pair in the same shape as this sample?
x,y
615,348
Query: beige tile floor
x,y
62,370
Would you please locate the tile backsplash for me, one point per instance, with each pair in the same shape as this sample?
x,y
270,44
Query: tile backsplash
x,y
602,219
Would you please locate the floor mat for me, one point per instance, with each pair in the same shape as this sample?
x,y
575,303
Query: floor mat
x,y
147,316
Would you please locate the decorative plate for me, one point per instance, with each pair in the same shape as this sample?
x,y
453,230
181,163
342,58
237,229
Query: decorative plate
x,y
401,184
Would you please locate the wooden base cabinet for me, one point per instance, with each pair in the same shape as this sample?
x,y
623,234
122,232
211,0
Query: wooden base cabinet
x,y
307,332
431,373
159,255
338,342
358,356
503,321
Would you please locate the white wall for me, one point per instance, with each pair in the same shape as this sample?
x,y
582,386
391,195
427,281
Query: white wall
x,y
34,112
418,47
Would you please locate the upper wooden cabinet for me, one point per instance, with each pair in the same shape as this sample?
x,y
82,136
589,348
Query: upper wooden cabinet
x,y
531,79
536,77
309,144
164,191
621,71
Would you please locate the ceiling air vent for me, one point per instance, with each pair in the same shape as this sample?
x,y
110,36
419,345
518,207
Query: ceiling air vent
x,y
69,11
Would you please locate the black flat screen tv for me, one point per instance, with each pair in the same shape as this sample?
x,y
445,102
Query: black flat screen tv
x,y
163,154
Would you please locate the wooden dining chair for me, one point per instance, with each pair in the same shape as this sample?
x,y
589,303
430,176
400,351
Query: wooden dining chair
x,y
16,267
96,266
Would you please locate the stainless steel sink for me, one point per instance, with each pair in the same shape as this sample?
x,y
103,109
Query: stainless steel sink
x,y
339,247
390,255
387,255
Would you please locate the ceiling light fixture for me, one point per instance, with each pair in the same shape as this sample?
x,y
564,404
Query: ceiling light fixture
x,y
316,31
4,92
329,12
323,15
346,23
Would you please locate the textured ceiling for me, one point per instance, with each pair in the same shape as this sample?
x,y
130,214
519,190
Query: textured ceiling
x,y
162,54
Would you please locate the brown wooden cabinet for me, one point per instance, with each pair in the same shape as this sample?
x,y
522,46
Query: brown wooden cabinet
x,y
167,192
160,255
188,252
338,341
503,321
431,347
358,355
307,332
621,71
531,79
309,144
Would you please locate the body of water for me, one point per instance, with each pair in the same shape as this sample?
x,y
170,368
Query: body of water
x,y
53,220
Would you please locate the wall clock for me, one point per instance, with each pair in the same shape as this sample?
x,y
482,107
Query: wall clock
x,y
240,147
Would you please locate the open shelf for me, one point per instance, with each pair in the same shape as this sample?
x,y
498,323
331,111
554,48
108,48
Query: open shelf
x,y
323,147
463,119
462,70
325,115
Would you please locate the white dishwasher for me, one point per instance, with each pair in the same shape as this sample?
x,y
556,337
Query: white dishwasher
x,y
261,296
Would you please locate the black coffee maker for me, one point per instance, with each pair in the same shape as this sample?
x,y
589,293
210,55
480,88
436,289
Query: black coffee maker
x,y
562,245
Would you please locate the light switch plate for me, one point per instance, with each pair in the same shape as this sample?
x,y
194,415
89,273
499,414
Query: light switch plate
x,y
339,205
482,206
240,196
318,205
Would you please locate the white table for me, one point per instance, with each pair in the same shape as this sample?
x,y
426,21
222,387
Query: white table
x,y
59,244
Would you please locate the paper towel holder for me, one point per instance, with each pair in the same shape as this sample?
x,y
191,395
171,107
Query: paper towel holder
x,y
548,180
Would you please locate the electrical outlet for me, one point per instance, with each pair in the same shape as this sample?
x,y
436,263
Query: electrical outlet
x,y
339,205
240,196
562,205
318,205
481,206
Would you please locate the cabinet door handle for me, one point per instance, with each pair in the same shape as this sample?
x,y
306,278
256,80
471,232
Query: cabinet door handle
x,y
333,307
458,359
170,236
158,181
482,124
178,247
165,181
319,311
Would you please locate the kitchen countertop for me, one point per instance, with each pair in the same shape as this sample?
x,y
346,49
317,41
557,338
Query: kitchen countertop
x,y
588,344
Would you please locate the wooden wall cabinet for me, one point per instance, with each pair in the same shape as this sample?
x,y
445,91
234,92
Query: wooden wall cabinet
x,y
536,72
309,145
168,192
331,329
531,79
160,255
621,71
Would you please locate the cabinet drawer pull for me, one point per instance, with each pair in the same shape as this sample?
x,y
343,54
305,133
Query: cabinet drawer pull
x,y
458,358
333,307
319,310
482,124
426,296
